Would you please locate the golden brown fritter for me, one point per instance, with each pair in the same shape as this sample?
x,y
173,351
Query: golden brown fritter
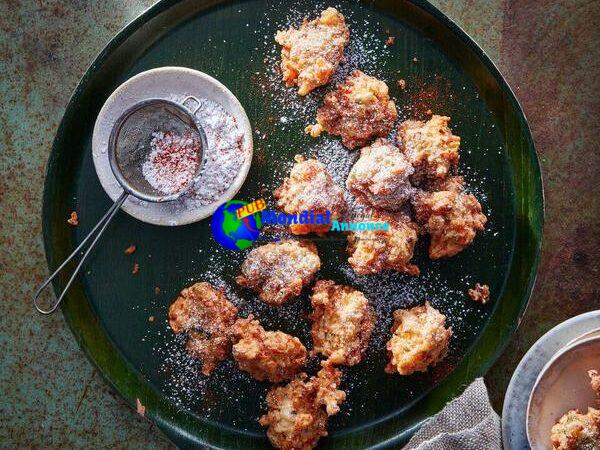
x,y
267,355
208,317
480,293
430,147
451,218
279,271
373,251
380,177
310,188
342,321
419,340
298,412
576,431
311,54
358,110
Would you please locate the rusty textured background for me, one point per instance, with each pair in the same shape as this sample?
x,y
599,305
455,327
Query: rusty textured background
x,y
50,395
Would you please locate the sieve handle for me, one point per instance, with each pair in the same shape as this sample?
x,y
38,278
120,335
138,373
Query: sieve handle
x,y
191,97
99,227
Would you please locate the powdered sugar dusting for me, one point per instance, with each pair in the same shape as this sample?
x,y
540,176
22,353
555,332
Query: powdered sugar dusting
x,y
225,154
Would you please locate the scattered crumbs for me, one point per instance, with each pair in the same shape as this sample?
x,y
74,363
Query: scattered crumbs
x,y
480,293
73,219
151,319
156,290
390,41
130,250
136,268
401,84
140,409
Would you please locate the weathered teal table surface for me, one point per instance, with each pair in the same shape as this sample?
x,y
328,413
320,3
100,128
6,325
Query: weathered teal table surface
x,y
51,396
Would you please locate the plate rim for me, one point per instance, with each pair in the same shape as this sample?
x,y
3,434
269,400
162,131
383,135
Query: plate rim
x,y
70,309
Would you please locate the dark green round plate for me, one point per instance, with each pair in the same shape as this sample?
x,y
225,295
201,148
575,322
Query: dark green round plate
x,y
109,308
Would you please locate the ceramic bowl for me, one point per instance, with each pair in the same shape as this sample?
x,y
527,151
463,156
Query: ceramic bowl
x,y
563,384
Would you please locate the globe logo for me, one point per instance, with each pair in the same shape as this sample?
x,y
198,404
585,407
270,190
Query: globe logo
x,y
231,232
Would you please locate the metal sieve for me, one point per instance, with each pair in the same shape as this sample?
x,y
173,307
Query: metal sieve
x,y
128,149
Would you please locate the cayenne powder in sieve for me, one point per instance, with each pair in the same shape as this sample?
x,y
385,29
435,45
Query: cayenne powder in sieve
x,y
172,162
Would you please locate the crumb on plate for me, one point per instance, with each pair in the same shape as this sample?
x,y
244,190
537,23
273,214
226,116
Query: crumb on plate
x,y
140,409
480,293
130,250
73,219
594,380
136,268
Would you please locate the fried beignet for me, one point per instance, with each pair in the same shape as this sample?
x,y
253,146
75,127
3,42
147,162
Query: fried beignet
x,y
267,355
373,251
208,317
451,218
279,271
311,54
342,322
358,110
310,188
576,431
419,340
298,412
430,146
380,177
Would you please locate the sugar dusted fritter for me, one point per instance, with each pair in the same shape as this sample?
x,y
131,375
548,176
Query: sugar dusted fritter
x,y
279,271
577,431
298,412
342,322
358,110
380,177
310,188
373,251
451,218
311,54
419,340
430,147
208,317
267,355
